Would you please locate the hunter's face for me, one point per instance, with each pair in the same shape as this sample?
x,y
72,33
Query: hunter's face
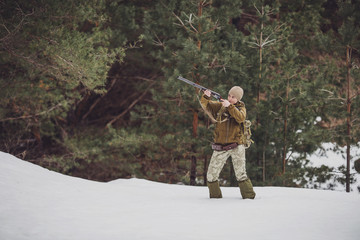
x,y
232,99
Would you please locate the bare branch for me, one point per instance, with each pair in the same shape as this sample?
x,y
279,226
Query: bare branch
x,y
130,106
113,81
18,26
145,79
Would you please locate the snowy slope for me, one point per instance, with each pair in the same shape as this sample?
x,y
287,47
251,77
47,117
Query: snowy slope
x,y
40,204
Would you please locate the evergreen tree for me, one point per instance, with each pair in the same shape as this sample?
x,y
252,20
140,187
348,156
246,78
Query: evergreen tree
x,y
194,39
264,34
343,89
286,107
278,83
64,81
53,56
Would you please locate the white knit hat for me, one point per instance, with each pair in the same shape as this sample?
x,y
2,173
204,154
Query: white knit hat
x,y
237,92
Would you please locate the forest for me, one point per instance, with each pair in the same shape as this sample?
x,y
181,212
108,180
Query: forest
x,y
90,89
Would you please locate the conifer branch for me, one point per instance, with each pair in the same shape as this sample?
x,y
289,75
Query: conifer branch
x,y
355,120
325,90
338,98
190,21
353,97
26,58
158,42
257,9
182,23
216,26
67,62
206,4
252,17
34,115
135,44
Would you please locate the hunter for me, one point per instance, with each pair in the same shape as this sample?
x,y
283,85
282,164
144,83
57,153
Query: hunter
x,y
229,116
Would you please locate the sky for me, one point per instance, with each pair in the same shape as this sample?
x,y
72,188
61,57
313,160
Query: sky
x,y
37,204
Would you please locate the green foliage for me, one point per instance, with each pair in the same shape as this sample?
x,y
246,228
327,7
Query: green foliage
x,y
197,42
269,63
62,59
108,154
343,93
52,55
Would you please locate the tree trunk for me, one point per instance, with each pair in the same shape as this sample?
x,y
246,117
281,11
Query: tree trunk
x,y
205,171
193,171
258,93
348,118
285,127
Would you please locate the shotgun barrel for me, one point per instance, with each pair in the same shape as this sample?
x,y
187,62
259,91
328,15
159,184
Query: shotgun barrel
x,y
214,94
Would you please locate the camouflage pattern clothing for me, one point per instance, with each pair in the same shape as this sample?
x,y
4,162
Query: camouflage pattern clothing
x,y
229,129
219,159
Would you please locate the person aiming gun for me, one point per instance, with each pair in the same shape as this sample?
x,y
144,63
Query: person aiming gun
x,y
229,116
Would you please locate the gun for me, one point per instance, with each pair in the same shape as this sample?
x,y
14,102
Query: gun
x,y
214,94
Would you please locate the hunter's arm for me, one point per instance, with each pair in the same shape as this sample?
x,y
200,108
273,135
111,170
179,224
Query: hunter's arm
x,y
213,106
238,113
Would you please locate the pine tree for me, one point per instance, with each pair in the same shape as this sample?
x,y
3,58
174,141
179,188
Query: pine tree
x,y
343,91
286,108
277,81
53,54
194,39
263,35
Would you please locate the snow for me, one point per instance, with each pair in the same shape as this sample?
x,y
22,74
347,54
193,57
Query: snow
x,y
40,204
334,157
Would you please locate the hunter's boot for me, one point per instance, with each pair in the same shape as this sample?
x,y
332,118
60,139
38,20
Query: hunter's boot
x,y
246,189
214,189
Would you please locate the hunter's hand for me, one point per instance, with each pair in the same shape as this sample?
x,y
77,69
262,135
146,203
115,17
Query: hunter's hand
x,y
225,103
207,92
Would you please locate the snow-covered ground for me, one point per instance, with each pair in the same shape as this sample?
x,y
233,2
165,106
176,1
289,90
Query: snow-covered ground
x,y
40,204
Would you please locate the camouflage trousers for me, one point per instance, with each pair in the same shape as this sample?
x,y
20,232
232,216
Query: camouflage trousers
x,y
219,158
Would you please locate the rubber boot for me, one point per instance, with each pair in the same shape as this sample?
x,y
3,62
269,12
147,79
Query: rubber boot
x,y
246,189
214,189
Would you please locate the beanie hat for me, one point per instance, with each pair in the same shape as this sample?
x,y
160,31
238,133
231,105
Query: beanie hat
x,y
237,92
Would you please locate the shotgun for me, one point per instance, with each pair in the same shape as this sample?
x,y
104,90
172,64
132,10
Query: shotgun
x,y
214,94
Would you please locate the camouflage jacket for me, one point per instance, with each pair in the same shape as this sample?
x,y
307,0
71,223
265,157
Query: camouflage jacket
x,y
229,121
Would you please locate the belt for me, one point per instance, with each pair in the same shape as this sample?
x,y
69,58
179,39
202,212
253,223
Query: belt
x,y
219,147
